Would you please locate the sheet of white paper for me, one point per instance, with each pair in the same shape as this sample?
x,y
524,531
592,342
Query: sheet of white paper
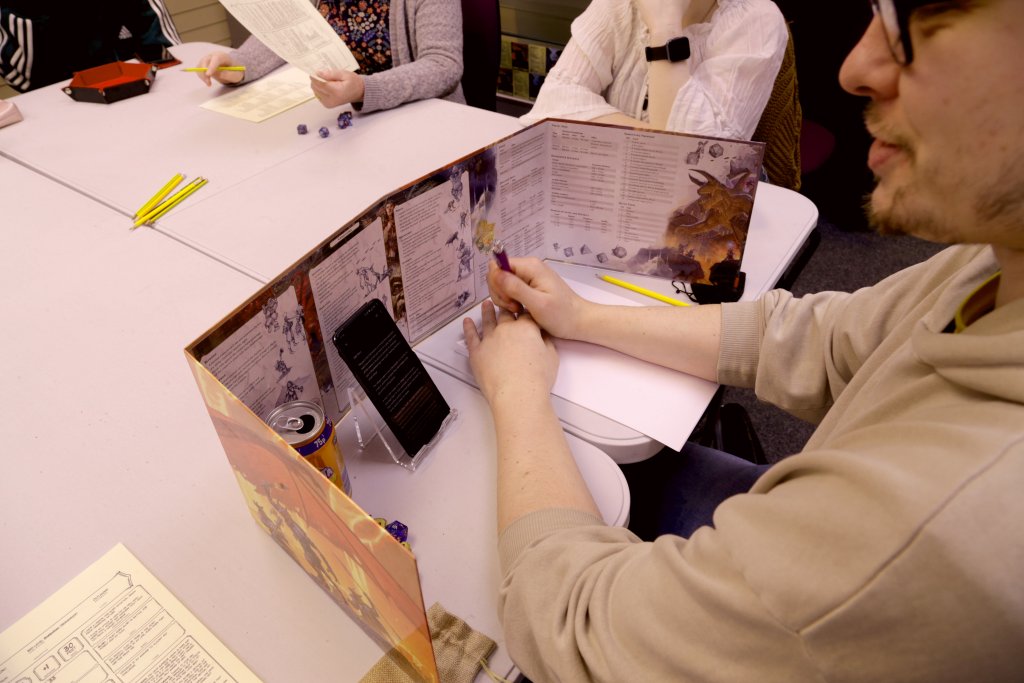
x,y
618,386
295,31
116,622
264,98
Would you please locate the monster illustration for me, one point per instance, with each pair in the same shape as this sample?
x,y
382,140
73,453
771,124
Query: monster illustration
x,y
720,209
281,367
370,278
293,329
270,315
456,179
709,228
693,158
292,391
465,255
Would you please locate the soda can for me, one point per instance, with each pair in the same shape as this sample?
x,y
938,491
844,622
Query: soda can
x,y
307,429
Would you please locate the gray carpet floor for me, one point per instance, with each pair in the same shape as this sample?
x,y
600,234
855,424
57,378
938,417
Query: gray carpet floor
x,y
843,261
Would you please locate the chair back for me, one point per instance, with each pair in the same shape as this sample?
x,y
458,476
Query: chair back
x,y
481,52
779,127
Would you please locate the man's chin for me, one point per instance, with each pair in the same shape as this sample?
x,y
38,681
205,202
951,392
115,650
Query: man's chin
x,y
893,222
878,207
888,214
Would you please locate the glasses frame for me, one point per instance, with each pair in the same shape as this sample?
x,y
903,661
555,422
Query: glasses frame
x,y
894,16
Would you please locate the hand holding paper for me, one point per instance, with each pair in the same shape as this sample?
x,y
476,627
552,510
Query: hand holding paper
x,y
335,87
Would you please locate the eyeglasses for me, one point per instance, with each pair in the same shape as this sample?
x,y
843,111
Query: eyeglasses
x,y
895,18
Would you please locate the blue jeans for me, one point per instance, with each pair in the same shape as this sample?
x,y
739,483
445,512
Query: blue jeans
x,y
677,492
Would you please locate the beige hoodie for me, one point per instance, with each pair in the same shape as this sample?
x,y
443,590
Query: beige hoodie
x,y
890,549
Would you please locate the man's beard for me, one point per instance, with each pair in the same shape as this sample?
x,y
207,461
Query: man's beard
x,y
999,204
996,201
890,222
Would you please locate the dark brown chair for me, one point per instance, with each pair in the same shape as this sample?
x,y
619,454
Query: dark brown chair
x,y
780,124
481,52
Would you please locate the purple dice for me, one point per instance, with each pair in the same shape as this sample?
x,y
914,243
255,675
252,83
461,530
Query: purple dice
x,y
302,129
324,132
344,119
398,530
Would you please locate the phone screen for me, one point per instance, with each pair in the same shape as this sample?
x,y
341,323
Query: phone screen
x,y
392,375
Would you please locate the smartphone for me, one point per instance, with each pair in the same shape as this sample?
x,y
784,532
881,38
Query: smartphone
x,y
392,375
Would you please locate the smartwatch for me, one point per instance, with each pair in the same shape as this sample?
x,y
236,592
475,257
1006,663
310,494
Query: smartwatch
x,y
675,50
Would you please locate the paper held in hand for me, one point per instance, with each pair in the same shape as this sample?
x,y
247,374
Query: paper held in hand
x,y
295,31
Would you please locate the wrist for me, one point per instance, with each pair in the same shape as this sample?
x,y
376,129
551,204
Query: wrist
x,y
665,32
584,321
514,396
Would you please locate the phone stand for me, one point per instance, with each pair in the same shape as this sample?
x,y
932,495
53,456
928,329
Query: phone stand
x,y
370,425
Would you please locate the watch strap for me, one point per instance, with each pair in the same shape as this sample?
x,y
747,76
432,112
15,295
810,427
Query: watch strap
x,y
675,50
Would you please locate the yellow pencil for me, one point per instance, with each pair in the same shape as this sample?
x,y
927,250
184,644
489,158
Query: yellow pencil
x,y
171,184
197,69
178,197
640,290
151,211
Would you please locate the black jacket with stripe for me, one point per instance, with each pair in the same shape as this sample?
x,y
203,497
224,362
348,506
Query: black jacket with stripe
x,y
46,41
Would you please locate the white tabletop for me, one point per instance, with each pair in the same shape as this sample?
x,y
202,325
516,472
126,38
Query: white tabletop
x,y
122,153
264,225
106,438
449,505
108,442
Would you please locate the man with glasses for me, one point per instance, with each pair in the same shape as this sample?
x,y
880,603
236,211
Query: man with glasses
x,y
889,549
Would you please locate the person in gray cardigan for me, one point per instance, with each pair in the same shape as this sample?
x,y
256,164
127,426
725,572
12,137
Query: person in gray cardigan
x,y
407,50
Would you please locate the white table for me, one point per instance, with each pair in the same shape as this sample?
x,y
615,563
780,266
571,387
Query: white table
x,y
267,223
108,441
122,153
450,507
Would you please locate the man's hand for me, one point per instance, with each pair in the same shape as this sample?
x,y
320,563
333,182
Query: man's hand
x,y
338,87
537,288
216,59
512,359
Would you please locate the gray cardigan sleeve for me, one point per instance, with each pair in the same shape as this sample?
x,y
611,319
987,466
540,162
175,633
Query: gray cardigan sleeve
x,y
426,48
257,58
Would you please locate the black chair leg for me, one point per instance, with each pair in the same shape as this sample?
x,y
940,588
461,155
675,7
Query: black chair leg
x,y
737,435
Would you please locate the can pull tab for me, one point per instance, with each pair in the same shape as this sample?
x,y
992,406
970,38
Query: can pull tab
x,y
289,424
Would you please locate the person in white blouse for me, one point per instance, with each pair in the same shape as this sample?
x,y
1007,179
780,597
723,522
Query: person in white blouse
x,y
704,67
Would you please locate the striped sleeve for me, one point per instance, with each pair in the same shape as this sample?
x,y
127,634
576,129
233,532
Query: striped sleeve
x,y
16,50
